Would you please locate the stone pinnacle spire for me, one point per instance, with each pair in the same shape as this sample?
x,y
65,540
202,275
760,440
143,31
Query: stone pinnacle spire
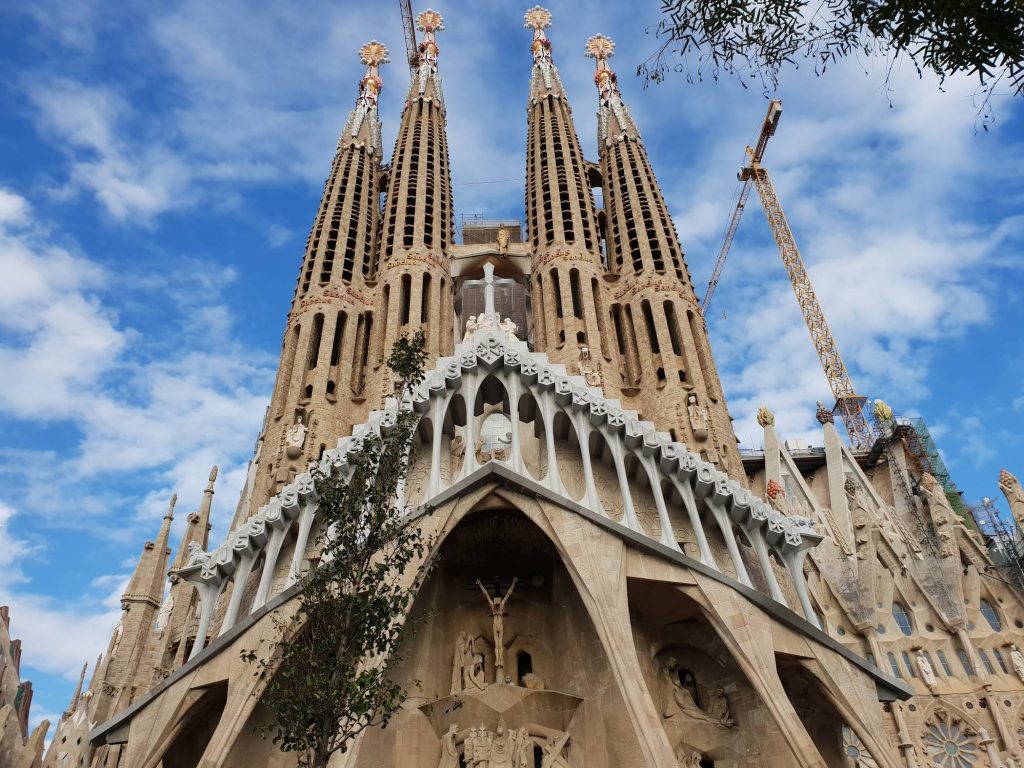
x,y
77,695
561,217
363,126
613,118
147,583
198,528
544,76
414,286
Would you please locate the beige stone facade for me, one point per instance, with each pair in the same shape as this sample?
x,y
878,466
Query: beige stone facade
x,y
618,585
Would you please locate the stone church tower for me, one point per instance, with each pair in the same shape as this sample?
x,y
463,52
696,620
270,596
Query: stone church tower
x,y
617,585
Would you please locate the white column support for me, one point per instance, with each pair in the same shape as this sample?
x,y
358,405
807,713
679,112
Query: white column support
x,y
794,561
690,503
512,389
757,541
305,524
725,526
654,477
470,384
629,518
583,431
270,555
546,403
438,406
209,591
237,591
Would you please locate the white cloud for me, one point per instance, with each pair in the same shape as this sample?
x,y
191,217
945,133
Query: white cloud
x,y
12,549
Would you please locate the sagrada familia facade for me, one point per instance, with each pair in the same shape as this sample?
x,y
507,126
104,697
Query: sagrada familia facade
x,y
618,584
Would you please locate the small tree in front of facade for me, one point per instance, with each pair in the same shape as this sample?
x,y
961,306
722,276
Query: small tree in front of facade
x,y
330,676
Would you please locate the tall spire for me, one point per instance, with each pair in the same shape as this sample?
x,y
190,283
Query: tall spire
x,y
662,339
198,526
147,582
561,219
415,280
77,695
318,393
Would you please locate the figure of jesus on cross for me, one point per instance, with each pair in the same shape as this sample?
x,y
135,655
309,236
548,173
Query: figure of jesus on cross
x,y
497,616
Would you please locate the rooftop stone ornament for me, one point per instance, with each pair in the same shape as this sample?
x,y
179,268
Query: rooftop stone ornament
x,y
823,414
765,417
537,18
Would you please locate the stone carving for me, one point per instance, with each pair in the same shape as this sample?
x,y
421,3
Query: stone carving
x,y
468,666
449,752
823,414
296,438
765,417
1011,488
553,750
882,411
949,741
1017,659
116,639
498,623
679,700
509,327
585,368
700,419
470,329
165,613
856,754
534,682
941,512
501,748
927,673
687,761
504,237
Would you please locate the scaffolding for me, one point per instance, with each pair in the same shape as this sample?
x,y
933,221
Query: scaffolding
x,y
1002,539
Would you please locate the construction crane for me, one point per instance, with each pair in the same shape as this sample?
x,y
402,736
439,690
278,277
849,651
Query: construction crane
x,y
848,403
412,50
771,122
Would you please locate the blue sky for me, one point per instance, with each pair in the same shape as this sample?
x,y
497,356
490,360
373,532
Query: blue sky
x,y
161,165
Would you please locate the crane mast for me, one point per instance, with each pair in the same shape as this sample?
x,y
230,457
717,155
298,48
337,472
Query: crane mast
x,y
848,403
411,46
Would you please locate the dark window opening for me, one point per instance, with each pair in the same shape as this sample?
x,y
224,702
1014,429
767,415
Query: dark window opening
x,y
524,665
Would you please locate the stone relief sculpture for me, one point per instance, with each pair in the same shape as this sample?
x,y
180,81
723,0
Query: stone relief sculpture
x,y
534,682
296,438
927,673
470,328
700,419
468,666
498,623
765,417
553,750
502,748
449,752
503,238
679,700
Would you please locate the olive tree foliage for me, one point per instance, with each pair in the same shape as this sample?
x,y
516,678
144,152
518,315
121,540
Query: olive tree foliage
x,y
981,38
329,677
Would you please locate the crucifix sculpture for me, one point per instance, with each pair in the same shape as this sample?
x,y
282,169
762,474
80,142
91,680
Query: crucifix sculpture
x,y
497,617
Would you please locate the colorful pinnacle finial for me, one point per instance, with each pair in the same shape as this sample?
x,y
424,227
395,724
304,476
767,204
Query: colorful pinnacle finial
x,y
537,18
373,54
430,21
600,47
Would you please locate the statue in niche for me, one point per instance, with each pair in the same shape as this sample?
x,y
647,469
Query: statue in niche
x,y
165,613
700,420
498,622
449,752
680,700
1017,659
296,437
503,238
927,673
468,666
585,368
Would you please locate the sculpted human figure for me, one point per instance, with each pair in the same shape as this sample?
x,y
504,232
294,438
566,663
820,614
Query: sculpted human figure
x,y
1017,658
553,750
927,673
470,328
718,708
449,752
509,327
699,418
498,623
504,238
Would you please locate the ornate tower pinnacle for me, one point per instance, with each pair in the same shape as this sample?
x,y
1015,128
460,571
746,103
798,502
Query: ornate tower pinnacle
x,y
544,76
561,218
664,353
613,119
363,123
415,291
